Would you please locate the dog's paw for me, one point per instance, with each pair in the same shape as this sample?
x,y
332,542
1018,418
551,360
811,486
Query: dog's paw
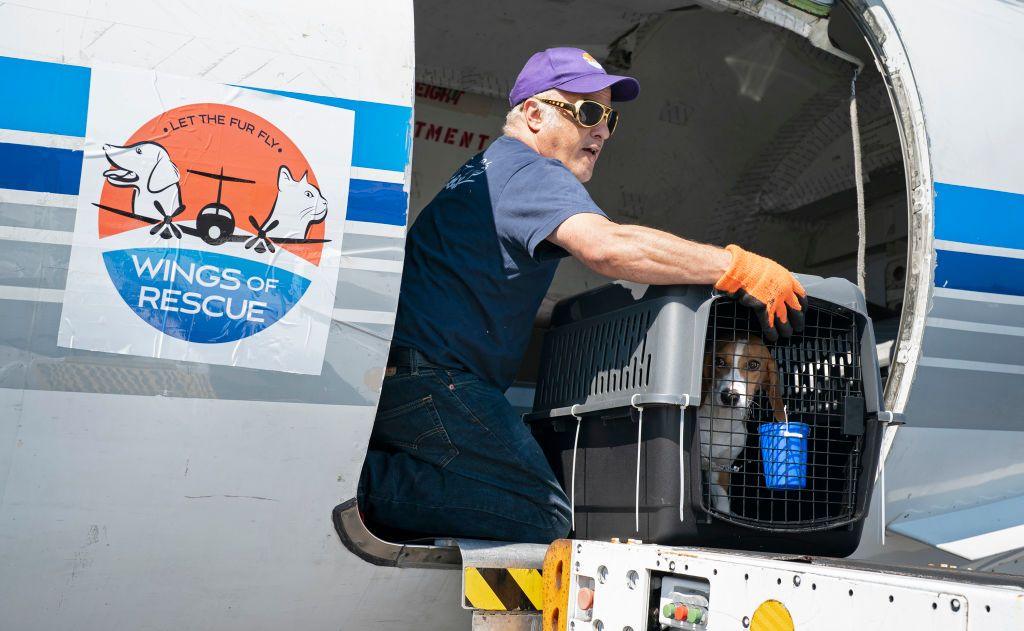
x,y
719,499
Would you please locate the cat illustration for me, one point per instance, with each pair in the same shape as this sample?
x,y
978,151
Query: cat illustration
x,y
298,206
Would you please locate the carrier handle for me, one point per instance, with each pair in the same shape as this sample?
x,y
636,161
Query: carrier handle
x,y
639,442
635,401
887,418
575,444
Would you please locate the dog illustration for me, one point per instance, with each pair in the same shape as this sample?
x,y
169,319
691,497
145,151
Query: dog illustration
x,y
146,167
740,369
298,206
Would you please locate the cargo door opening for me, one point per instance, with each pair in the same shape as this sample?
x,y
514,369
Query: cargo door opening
x,y
741,135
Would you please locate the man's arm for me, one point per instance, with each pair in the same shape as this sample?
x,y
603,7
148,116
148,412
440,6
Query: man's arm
x,y
650,256
639,254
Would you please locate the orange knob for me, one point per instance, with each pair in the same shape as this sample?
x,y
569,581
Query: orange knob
x,y
585,599
681,612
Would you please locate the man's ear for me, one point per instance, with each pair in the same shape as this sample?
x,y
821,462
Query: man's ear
x,y
163,175
533,114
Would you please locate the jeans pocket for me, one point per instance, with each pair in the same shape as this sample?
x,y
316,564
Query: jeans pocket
x,y
461,378
416,429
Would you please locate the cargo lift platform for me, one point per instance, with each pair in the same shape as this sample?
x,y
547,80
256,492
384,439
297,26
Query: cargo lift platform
x,y
601,586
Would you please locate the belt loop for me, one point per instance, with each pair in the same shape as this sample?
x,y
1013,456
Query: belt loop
x,y
414,361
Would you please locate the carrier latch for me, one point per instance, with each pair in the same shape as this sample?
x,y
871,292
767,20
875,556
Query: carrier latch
x,y
889,418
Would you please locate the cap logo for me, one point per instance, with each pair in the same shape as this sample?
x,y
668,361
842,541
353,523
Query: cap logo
x,y
593,62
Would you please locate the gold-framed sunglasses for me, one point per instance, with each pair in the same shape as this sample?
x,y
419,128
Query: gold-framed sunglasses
x,y
588,113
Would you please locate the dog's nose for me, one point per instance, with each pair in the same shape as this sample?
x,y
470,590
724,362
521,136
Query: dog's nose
x,y
729,397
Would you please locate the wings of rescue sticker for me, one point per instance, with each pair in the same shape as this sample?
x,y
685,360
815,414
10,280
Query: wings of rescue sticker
x,y
209,223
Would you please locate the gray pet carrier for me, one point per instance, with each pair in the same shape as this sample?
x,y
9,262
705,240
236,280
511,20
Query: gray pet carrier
x,y
659,409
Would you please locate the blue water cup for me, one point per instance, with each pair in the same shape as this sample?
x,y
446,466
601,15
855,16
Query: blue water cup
x,y
784,454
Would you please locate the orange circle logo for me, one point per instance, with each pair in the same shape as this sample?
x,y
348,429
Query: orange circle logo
x,y
227,199
225,161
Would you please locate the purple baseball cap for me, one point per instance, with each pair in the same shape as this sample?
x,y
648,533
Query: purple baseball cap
x,y
572,70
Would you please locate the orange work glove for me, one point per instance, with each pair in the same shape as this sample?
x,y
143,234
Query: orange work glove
x,y
769,289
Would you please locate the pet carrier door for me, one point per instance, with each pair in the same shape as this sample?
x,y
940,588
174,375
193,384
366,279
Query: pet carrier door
x,y
761,446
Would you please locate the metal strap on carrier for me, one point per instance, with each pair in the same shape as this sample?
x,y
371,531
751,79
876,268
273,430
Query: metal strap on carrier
x,y
636,401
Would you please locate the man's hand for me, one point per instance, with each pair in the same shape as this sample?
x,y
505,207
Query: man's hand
x,y
767,288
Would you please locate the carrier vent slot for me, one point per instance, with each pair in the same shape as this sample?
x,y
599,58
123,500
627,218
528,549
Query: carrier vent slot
x,y
590,359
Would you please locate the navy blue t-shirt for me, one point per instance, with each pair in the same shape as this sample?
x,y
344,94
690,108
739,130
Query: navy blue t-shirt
x,y
477,265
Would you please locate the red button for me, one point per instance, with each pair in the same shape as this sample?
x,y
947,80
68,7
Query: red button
x,y
585,599
681,612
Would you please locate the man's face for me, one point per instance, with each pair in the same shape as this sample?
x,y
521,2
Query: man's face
x,y
575,146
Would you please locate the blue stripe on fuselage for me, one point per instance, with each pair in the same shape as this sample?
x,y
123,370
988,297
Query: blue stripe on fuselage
x,y
979,272
49,170
379,202
41,169
980,216
43,97
52,98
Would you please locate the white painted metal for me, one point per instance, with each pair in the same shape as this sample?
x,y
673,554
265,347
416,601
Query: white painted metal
x,y
818,595
311,48
978,296
960,121
973,533
35,139
378,175
362,315
965,93
374,229
33,294
954,246
373,265
35,235
34,198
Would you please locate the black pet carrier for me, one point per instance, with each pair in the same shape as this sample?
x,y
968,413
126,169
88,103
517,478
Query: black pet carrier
x,y
669,419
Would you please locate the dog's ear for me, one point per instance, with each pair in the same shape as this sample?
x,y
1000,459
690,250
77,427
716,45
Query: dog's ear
x,y
774,391
163,175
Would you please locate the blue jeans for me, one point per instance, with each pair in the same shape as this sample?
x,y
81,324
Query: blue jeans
x,y
450,457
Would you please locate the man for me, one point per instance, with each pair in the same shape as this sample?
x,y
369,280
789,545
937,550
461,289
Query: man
x,y
448,455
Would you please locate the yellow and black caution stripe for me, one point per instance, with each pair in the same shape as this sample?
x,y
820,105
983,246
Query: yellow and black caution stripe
x,y
503,589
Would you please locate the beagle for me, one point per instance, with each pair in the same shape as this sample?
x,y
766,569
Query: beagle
x,y
739,369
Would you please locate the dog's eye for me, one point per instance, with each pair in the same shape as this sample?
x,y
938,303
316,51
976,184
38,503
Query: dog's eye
x,y
309,194
138,150
753,364
720,361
